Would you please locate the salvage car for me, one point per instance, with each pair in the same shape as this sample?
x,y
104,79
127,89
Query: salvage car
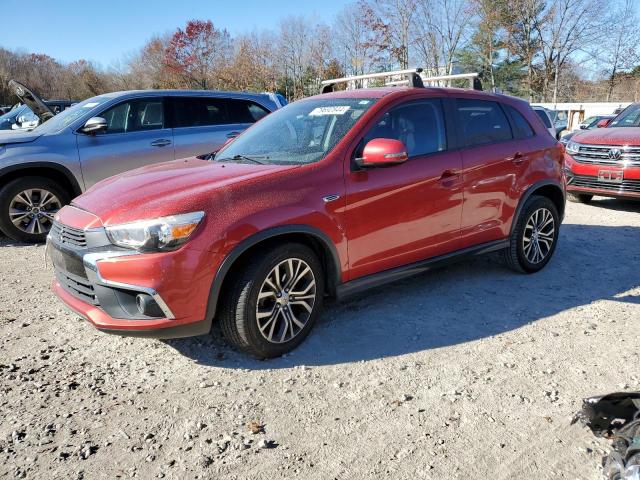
x,y
606,161
326,197
43,169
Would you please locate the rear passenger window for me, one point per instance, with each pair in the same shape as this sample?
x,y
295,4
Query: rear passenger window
x,y
199,111
522,127
419,125
244,111
482,122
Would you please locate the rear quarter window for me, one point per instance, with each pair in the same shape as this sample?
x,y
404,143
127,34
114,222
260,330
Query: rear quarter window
x,y
521,126
544,117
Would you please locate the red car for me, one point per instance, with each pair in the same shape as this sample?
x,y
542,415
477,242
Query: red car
x,y
326,197
606,161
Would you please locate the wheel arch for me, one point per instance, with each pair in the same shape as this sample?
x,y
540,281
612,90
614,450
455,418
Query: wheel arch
x,y
316,239
546,188
53,171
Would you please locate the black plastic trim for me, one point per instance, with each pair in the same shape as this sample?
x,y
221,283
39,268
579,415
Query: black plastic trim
x,y
246,244
179,331
377,279
51,165
530,191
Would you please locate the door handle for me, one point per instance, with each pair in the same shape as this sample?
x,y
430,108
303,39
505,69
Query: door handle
x,y
517,158
449,176
162,142
233,134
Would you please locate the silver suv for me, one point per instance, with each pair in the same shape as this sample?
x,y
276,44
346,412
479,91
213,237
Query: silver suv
x,y
43,169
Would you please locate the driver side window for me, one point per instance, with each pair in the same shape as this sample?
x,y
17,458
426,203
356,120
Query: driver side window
x,y
418,124
135,116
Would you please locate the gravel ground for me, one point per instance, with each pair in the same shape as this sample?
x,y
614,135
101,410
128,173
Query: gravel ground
x,y
468,372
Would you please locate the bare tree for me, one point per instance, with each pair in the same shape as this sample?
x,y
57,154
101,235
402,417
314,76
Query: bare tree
x,y
620,51
570,26
442,27
354,40
394,22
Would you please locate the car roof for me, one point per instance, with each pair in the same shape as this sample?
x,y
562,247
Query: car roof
x,y
180,93
401,91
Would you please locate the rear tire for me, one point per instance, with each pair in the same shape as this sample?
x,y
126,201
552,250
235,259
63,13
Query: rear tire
x,y
535,236
579,197
27,208
272,300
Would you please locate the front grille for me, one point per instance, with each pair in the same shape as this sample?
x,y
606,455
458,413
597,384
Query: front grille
x,y
65,234
599,155
77,286
584,181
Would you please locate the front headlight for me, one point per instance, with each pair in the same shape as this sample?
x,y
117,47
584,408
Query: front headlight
x,y
572,147
159,234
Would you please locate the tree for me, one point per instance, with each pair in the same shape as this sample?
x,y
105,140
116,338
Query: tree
x,y
620,52
355,42
442,27
570,26
393,21
197,52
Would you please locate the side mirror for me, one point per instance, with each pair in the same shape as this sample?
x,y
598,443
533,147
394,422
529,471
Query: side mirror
x,y
603,123
382,152
94,125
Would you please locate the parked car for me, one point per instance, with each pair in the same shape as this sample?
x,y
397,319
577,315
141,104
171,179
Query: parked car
x,y
606,161
41,170
545,116
5,109
328,196
588,124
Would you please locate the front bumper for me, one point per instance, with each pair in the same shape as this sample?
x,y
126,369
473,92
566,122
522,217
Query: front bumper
x,y
101,282
587,179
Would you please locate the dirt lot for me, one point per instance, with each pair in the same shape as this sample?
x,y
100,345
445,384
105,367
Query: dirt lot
x,y
468,372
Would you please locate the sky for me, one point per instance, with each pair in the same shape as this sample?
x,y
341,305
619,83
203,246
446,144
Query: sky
x,y
106,31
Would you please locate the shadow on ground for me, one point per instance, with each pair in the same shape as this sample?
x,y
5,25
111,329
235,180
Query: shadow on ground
x,y
462,303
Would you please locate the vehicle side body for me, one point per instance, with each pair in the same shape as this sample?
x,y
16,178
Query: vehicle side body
x,y
73,160
367,226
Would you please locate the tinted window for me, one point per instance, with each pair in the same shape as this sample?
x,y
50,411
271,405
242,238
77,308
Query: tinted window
x,y
135,116
244,111
522,127
419,125
544,117
482,122
199,111
629,117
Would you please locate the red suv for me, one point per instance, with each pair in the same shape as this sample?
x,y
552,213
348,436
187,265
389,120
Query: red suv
x,y
606,161
326,197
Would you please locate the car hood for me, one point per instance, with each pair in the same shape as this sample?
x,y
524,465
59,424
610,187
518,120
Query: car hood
x,y
16,136
32,100
169,188
609,136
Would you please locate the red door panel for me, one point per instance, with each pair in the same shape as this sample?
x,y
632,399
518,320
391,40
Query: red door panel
x,y
402,214
491,181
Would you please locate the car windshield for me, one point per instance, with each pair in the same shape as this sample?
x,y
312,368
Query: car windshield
x,y
301,133
629,117
70,115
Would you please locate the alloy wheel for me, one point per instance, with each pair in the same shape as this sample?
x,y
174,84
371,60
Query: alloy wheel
x,y
538,236
286,300
32,210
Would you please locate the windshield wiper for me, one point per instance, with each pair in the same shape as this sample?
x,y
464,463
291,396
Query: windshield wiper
x,y
254,159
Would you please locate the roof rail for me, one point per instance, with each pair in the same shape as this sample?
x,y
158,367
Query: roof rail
x,y
412,77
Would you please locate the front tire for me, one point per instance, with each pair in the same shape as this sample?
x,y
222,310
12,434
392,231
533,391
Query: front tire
x,y
535,236
27,208
273,300
579,197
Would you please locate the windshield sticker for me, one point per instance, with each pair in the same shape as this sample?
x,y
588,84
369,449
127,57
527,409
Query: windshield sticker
x,y
363,102
90,104
319,111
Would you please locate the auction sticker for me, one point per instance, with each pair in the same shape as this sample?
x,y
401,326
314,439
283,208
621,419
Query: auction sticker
x,y
319,111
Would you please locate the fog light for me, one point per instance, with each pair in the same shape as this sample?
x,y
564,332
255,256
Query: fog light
x,y
147,306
